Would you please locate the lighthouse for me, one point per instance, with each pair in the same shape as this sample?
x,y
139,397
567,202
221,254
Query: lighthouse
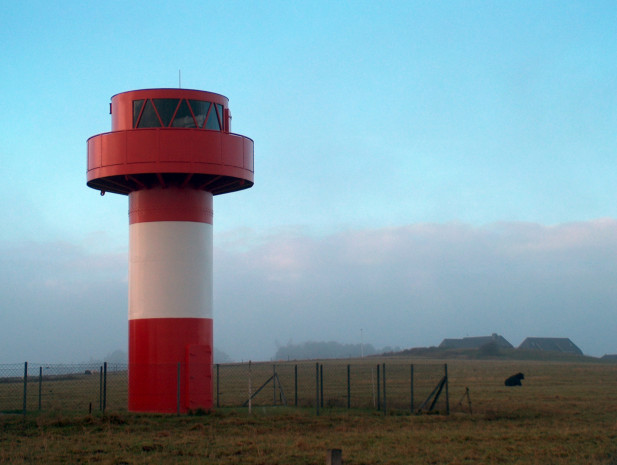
x,y
170,151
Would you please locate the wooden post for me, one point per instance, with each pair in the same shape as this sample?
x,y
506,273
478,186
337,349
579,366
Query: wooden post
x,y
334,457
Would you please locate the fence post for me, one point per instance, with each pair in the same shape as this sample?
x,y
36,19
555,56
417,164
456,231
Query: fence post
x,y
348,386
296,384
273,384
385,408
321,383
25,386
317,388
218,404
101,388
178,389
104,386
378,390
411,389
373,386
447,394
250,390
40,385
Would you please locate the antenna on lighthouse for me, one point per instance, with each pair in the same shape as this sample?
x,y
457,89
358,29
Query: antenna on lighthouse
x,y
179,79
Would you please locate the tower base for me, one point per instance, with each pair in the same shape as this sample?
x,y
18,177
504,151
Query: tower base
x,y
173,371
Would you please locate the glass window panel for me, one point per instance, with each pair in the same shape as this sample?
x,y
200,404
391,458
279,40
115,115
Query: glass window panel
x,y
166,108
213,121
219,107
184,118
148,117
200,110
137,104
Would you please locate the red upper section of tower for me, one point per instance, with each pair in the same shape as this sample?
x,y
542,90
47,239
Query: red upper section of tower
x,y
170,137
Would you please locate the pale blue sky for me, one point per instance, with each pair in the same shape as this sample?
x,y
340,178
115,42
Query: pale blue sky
x,y
365,115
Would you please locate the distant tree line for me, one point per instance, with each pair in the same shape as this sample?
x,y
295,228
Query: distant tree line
x,y
121,357
320,350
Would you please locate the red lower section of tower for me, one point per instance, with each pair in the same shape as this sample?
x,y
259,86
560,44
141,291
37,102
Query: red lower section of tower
x,y
170,364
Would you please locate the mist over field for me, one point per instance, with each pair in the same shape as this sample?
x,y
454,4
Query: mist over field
x,y
405,286
423,170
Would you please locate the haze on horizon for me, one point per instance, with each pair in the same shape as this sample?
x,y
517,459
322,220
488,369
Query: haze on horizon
x,y
422,170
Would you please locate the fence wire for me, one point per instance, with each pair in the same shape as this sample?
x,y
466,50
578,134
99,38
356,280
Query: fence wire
x,y
63,387
353,384
334,384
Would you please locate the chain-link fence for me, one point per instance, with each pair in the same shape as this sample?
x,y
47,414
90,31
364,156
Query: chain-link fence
x,y
334,384
354,384
63,387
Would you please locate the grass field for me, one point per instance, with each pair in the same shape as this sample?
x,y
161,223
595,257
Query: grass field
x,y
565,413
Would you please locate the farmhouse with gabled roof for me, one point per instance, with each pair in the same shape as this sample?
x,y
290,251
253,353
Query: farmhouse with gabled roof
x,y
553,344
475,342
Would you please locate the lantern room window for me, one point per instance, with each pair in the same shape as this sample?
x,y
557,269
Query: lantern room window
x,y
137,106
200,110
166,108
177,113
149,118
184,117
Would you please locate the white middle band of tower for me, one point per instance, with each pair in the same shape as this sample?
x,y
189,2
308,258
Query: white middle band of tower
x,y
170,270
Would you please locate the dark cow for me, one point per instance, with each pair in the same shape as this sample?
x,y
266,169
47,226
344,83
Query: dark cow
x,y
515,380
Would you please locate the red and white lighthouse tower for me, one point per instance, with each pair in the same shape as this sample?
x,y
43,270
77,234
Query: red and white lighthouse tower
x,y
170,151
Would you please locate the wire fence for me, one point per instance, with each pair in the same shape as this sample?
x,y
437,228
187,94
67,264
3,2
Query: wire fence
x,y
63,387
354,384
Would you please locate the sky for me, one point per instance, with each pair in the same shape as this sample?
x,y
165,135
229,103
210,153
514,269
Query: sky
x,y
423,170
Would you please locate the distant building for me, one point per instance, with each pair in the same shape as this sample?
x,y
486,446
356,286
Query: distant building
x,y
553,344
609,357
475,342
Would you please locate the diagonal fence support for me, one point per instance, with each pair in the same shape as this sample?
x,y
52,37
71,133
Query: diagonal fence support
x,y
275,379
